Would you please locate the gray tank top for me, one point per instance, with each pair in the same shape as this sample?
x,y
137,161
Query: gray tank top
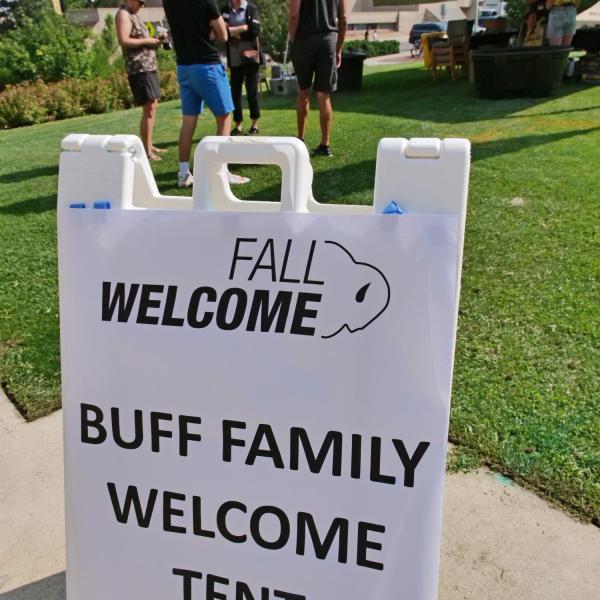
x,y
317,16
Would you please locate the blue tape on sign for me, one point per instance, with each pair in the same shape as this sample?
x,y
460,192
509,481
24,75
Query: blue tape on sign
x,y
77,205
393,209
102,204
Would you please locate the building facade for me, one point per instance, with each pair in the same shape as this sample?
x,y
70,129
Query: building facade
x,y
394,19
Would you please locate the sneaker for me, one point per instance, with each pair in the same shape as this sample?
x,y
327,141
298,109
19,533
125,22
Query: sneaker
x,y
322,150
235,131
234,179
184,181
253,131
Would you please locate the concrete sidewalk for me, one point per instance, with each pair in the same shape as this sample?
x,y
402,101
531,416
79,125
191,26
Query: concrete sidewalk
x,y
393,59
500,541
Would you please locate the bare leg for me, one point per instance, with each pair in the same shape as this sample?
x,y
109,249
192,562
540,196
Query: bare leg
x,y
147,125
224,129
326,116
302,108
566,41
223,124
556,41
186,136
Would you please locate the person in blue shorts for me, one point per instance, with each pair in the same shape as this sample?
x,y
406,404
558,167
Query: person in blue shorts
x,y
195,27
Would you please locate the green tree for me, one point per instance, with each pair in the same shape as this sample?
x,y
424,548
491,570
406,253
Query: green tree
x,y
273,26
13,13
48,48
104,50
515,12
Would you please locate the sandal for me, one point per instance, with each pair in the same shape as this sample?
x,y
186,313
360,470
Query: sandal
x,y
253,131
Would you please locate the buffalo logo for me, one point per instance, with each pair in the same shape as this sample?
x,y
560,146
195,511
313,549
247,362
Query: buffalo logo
x,y
362,292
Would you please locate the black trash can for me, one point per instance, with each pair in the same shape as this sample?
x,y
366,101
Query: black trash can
x,y
505,72
350,73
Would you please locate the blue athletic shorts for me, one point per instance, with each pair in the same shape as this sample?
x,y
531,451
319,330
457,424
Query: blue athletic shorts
x,y
202,83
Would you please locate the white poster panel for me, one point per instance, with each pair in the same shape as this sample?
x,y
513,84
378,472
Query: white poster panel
x,y
256,405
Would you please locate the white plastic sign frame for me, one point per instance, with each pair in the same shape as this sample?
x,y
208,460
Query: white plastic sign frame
x,y
256,395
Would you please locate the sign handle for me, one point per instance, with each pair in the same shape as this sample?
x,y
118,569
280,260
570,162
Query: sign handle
x,y
213,154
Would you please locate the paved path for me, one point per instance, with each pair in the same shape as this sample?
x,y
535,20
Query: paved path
x,y
500,541
393,59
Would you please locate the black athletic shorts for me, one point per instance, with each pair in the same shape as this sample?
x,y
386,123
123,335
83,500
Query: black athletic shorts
x,y
144,87
314,57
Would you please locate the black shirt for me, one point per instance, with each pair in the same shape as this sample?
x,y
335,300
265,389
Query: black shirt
x,y
189,22
317,16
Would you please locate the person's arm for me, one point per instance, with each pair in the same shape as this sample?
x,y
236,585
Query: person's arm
x,y
123,25
219,29
342,25
293,19
253,22
237,30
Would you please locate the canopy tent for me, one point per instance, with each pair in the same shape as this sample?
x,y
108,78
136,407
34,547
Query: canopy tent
x,y
591,16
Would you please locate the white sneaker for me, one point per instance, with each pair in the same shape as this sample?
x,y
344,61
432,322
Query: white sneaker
x,y
236,179
184,181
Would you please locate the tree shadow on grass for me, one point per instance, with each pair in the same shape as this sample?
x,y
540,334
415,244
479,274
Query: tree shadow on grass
x,y
410,94
31,206
49,588
329,185
483,150
29,174
354,182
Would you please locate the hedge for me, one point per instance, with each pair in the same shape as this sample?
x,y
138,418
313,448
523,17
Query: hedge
x,y
373,48
37,102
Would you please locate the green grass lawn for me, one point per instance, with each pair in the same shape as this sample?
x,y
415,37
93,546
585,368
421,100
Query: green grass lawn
x,y
526,395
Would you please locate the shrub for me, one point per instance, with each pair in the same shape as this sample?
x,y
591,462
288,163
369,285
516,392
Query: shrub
x,y
37,102
97,97
169,89
166,60
62,101
23,105
120,91
373,48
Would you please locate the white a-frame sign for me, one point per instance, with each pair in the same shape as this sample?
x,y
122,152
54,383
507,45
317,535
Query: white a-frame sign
x,y
256,395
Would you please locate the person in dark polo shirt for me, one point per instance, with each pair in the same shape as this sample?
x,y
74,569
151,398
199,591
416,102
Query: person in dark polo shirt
x,y
195,27
317,29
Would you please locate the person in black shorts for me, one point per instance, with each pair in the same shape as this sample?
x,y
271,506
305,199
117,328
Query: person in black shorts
x,y
139,51
317,29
